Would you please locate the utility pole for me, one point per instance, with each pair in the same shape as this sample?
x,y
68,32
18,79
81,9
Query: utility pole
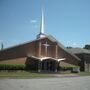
x,y
1,46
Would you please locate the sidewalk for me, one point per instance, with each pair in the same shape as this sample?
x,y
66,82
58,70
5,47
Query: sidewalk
x,y
66,75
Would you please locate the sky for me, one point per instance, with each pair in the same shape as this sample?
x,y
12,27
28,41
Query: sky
x,y
67,20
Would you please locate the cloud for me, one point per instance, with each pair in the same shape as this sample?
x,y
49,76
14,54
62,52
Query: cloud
x,y
33,21
72,43
1,41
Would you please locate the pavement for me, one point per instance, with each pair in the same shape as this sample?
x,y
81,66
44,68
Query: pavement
x,y
66,75
70,83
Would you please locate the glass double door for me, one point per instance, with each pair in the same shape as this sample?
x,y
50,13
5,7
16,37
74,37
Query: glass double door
x,y
48,65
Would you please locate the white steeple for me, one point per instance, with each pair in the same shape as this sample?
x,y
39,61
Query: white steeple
x,y
42,23
41,34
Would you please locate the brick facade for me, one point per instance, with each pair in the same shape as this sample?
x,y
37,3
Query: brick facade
x,y
20,54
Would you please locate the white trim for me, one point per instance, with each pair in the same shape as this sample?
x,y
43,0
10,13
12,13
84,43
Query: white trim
x,y
44,58
61,59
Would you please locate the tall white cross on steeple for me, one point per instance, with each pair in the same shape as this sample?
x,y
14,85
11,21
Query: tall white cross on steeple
x,y
41,34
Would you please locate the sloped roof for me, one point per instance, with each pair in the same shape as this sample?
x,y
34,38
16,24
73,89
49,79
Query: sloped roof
x,y
50,37
60,45
18,45
78,51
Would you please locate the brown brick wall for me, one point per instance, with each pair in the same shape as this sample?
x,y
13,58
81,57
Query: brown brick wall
x,y
19,51
87,62
70,60
14,61
15,54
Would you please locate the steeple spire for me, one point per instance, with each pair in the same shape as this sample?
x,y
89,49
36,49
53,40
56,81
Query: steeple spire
x,y
41,34
42,23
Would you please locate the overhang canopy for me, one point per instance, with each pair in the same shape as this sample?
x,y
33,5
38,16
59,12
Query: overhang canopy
x,y
44,58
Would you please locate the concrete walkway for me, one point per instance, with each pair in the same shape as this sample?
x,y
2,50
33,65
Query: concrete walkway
x,y
66,75
73,83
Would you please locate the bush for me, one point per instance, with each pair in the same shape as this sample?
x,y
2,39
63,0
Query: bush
x,y
12,67
68,67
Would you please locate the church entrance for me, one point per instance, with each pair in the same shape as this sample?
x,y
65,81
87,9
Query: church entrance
x,y
49,65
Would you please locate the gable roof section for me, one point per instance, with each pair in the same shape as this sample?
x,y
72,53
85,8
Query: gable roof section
x,y
18,45
51,38
60,45
78,51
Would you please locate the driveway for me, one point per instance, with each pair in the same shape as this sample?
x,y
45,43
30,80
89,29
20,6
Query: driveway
x,y
71,83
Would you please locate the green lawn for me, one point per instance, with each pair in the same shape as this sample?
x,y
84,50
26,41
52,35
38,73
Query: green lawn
x,y
23,74
84,73
80,73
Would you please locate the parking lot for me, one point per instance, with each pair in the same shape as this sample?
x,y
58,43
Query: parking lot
x,y
70,83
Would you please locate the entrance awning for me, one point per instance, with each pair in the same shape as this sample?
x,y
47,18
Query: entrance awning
x,y
44,58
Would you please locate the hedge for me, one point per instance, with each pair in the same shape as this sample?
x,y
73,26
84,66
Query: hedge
x,y
68,67
12,67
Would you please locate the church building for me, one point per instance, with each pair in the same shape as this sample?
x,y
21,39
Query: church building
x,y
44,53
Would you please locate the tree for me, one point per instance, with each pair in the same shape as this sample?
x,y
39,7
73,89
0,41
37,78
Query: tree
x,y
69,47
87,47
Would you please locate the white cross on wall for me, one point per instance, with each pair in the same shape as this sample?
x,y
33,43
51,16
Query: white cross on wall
x,y
46,47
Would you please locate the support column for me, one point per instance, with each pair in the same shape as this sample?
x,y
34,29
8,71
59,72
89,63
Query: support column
x,y
45,66
56,66
39,55
56,56
39,50
39,66
56,51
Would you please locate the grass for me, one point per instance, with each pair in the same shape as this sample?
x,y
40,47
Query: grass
x,y
80,73
84,73
23,74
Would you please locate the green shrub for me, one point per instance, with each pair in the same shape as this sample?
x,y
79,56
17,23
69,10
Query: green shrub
x,y
68,67
12,67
